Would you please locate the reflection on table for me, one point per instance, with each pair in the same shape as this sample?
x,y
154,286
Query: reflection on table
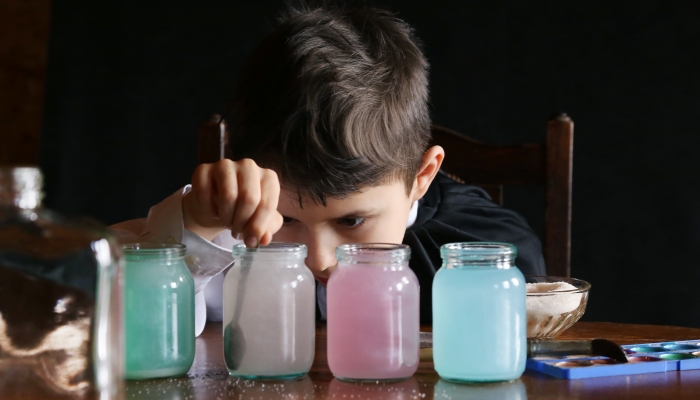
x,y
229,387
208,379
514,390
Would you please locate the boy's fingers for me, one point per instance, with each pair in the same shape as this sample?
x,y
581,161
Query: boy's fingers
x,y
266,239
201,206
265,221
276,223
265,218
249,195
273,193
224,190
273,225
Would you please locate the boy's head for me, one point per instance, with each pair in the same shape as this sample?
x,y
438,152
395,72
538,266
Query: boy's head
x,y
334,100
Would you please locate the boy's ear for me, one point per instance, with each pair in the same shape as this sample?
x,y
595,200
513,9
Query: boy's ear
x,y
432,160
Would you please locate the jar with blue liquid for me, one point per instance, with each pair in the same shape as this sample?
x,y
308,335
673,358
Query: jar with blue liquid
x,y
479,321
159,311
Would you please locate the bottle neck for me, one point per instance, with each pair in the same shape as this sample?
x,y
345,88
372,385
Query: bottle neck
x,y
20,187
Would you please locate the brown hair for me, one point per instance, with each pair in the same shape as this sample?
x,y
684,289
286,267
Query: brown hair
x,y
334,100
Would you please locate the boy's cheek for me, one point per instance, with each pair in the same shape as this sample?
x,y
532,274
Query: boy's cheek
x,y
383,230
286,234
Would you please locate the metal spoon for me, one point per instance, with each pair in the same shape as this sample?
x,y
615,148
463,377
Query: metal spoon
x,y
234,337
596,347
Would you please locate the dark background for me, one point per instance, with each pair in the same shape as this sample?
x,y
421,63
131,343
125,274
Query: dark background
x,y
128,83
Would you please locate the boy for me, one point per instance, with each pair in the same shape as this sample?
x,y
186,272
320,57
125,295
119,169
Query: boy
x,y
329,129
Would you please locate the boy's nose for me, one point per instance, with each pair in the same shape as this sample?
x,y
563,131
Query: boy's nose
x,y
321,261
321,257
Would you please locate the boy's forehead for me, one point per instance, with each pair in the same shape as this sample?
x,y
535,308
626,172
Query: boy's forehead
x,y
368,198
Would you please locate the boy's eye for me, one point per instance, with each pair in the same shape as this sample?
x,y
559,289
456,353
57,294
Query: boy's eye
x,y
287,220
351,222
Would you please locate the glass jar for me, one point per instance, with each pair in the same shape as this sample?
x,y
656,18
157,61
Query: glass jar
x,y
60,298
373,313
479,313
269,312
159,311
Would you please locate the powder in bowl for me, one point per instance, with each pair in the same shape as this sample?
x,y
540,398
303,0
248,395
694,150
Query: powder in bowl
x,y
553,306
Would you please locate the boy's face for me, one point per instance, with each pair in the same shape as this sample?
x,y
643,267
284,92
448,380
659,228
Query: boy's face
x,y
374,214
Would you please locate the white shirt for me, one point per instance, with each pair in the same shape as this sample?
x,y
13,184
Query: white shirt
x,y
207,261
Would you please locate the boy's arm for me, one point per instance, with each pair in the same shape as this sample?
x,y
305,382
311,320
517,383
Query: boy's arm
x,y
225,196
204,258
164,224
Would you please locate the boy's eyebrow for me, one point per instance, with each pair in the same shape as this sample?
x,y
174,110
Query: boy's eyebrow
x,y
360,213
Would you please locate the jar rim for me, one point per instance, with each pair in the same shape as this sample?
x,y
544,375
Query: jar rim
x,y
276,248
155,248
391,251
477,249
373,246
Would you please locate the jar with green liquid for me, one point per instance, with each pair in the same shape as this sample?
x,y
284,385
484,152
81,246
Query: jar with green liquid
x,y
159,311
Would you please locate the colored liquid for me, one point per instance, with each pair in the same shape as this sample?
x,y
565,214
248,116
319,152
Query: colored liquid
x,y
479,323
159,319
373,322
271,333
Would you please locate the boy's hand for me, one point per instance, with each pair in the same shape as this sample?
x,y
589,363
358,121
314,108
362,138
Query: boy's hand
x,y
235,195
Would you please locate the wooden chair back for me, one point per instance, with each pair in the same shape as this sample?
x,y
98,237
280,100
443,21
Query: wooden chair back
x,y
548,165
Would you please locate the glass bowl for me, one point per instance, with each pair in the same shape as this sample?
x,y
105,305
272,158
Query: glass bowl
x,y
549,313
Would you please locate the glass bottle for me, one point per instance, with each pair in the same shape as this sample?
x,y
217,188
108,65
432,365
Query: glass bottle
x,y
159,310
373,313
60,298
269,312
479,313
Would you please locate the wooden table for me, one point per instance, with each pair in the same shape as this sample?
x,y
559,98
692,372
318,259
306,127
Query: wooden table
x,y
208,378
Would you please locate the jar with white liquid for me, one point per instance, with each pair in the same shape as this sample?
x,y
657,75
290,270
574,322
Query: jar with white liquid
x,y
269,312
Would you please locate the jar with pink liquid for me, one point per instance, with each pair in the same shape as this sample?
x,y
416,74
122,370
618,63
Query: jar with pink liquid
x,y
373,320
